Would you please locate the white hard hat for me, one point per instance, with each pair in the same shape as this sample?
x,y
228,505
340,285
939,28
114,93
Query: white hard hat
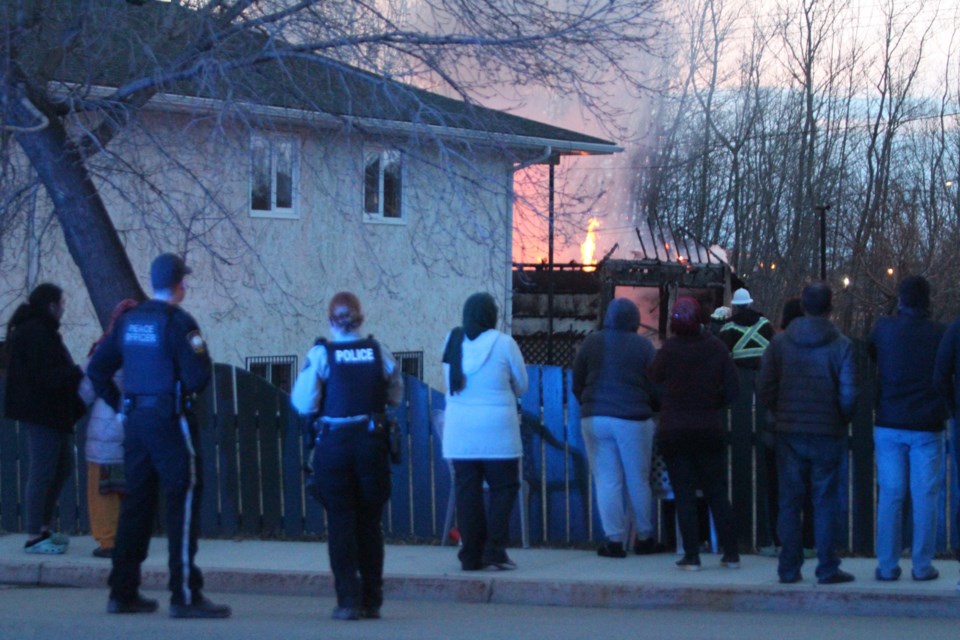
x,y
721,313
741,298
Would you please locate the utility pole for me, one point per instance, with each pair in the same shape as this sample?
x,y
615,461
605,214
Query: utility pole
x,y
552,162
822,210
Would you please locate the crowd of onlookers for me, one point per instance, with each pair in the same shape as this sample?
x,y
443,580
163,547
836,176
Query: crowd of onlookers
x,y
805,384
638,404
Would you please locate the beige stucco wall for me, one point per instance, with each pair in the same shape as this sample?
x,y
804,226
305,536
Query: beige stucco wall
x,y
260,285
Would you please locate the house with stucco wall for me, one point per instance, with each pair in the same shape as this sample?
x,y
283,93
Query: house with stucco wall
x,y
292,187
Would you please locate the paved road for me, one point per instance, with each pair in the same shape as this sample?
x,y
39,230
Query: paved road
x,y
61,613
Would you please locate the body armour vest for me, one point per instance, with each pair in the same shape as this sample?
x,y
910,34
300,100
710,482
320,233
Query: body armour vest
x,y
355,386
148,366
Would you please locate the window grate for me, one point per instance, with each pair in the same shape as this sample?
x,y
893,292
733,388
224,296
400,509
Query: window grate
x,y
277,370
411,362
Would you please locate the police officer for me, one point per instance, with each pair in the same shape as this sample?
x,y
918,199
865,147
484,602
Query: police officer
x,y
165,361
349,380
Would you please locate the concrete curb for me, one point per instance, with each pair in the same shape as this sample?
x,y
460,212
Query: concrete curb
x,y
547,577
805,598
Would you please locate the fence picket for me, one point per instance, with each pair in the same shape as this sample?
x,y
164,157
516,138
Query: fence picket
x,y
441,477
10,454
555,456
291,470
421,461
531,433
226,426
397,514
584,520
209,503
741,457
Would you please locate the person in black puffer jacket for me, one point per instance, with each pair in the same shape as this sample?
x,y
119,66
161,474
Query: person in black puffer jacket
x,y
808,379
42,392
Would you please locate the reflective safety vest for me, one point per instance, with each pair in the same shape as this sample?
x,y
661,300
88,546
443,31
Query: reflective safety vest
x,y
750,334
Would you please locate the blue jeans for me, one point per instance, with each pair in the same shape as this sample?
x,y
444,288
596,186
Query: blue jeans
x,y
803,458
907,460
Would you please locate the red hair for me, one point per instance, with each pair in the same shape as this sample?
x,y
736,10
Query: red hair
x,y
345,311
122,307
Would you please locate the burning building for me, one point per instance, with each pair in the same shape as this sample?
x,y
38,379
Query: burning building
x,y
556,306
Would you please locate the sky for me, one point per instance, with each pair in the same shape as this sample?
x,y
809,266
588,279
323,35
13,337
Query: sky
x,y
934,24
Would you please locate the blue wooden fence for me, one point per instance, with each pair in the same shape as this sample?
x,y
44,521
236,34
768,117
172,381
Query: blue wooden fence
x,y
253,469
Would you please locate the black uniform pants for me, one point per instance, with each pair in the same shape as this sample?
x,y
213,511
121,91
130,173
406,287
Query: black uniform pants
x,y
352,470
159,453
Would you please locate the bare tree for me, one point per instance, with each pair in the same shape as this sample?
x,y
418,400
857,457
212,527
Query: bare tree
x,y
77,75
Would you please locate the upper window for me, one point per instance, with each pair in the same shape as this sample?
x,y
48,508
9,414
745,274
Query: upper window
x,y
274,169
382,186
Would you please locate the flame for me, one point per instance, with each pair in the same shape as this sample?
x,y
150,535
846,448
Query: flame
x,y
589,245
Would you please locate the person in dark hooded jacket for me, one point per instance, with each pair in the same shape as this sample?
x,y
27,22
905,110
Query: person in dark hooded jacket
x,y
616,403
697,380
42,392
808,379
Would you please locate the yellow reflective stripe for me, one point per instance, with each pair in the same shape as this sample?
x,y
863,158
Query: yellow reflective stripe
x,y
740,350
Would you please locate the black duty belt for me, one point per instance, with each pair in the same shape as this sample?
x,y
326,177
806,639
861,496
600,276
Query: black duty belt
x,y
360,424
147,400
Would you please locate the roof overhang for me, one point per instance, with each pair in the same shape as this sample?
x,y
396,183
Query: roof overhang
x,y
175,103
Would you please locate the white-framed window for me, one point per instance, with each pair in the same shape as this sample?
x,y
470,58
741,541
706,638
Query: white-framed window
x,y
383,186
274,176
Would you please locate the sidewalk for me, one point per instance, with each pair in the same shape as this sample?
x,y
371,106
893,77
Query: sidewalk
x,y
543,577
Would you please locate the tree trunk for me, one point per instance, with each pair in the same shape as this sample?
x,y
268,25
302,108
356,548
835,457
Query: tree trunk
x,y
90,236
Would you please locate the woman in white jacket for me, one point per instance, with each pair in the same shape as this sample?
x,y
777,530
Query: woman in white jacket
x,y
104,453
485,375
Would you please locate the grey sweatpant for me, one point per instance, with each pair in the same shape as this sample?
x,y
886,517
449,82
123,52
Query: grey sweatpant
x,y
49,463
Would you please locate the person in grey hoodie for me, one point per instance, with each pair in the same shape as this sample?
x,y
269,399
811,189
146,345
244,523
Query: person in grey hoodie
x,y
616,402
808,379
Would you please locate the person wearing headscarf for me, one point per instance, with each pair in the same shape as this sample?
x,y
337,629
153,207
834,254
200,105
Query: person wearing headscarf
x,y
697,380
349,380
616,403
104,453
42,392
485,375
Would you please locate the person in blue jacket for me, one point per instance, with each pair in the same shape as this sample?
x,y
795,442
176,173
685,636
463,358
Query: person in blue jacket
x,y
617,404
909,430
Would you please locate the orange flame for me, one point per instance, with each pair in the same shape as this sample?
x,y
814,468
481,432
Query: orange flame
x,y
589,245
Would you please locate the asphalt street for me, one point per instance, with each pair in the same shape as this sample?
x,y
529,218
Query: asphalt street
x,y
28,613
